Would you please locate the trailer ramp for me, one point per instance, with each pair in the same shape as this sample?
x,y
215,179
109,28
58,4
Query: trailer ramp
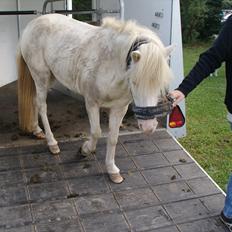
x,y
164,189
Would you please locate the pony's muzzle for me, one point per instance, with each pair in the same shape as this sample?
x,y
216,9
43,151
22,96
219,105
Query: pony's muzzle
x,y
147,126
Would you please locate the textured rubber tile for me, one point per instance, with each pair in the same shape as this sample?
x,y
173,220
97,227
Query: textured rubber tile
x,y
213,203
96,203
20,229
167,144
132,180
150,161
186,210
203,186
136,198
9,163
53,211
206,225
15,216
166,229
13,196
60,226
125,164
189,171
177,157
140,147
11,178
161,175
105,222
88,185
81,169
48,191
148,218
164,190
173,191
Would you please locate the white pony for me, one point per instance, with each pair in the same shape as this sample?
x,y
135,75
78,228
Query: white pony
x,y
111,66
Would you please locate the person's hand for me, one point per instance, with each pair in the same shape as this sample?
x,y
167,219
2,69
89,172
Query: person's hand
x,y
178,96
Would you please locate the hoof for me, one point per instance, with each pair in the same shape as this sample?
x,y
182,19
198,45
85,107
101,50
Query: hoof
x,y
54,149
84,153
81,152
39,135
116,178
81,155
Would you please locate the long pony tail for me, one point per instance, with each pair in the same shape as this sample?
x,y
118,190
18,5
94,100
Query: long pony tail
x,y
26,95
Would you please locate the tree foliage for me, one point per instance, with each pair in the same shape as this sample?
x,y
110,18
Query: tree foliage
x,y
201,18
193,18
213,17
227,4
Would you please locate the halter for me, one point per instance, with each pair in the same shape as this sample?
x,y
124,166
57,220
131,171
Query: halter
x,y
150,112
134,47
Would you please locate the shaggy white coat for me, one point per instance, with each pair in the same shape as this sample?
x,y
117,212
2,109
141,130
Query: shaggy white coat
x,y
91,61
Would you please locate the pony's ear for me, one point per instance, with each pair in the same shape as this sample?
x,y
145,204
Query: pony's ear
x,y
169,49
135,56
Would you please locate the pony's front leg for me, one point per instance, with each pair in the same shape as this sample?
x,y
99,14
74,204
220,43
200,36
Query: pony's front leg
x,y
95,130
115,120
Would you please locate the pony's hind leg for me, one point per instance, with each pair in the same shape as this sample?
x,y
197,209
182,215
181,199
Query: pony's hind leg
x,y
42,107
42,85
37,131
95,130
115,120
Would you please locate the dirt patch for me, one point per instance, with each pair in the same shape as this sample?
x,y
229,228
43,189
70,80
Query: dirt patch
x,y
67,116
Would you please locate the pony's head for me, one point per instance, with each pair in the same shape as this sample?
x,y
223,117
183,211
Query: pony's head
x,y
147,66
149,76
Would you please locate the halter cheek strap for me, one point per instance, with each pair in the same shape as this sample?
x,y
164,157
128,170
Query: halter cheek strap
x,y
134,47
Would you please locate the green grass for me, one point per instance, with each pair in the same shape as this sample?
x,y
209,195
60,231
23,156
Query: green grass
x,y
209,138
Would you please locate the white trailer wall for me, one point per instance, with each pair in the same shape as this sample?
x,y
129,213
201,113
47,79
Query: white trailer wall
x,y
8,41
11,27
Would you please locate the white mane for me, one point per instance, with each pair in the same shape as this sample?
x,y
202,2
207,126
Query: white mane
x,y
153,71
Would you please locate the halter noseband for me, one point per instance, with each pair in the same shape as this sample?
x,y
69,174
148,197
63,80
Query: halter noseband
x,y
151,112
134,47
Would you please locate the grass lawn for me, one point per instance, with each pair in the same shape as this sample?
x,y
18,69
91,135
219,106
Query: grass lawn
x,y
209,138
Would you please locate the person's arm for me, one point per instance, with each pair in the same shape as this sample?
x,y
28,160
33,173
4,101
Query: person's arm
x,y
208,62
